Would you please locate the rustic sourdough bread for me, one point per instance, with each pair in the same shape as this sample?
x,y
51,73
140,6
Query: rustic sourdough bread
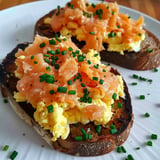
x,y
99,144
145,59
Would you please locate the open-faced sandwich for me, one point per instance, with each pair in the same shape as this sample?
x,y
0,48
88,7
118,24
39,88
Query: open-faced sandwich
x,y
77,104
119,39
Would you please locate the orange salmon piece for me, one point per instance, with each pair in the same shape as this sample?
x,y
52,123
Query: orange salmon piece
x,y
93,112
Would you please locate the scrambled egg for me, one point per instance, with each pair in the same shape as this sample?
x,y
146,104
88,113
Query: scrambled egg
x,y
116,44
62,115
58,121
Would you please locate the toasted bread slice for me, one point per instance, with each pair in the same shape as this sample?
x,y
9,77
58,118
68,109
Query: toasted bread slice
x,y
99,144
145,59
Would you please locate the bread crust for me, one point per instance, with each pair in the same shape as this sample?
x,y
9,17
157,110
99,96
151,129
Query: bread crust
x,y
141,60
99,144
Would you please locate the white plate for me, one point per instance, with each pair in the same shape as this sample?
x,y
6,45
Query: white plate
x,y
16,26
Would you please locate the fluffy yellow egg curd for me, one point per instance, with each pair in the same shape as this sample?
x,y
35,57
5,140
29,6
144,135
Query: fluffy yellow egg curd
x,y
97,24
64,85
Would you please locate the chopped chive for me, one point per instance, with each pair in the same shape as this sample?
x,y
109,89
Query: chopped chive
x,y
99,12
101,81
85,136
149,143
46,60
89,15
114,96
142,97
142,78
47,78
58,10
50,108
73,54
155,70
83,131
139,34
129,17
150,80
52,42
95,78
123,149
93,5
13,155
5,100
111,34
130,157
64,52
68,4
89,100
52,92
56,58
46,55
53,62
57,51
154,136
112,126
87,4
149,50
35,62
113,12
89,62
48,68
58,39
32,57
57,66
83,85
93,33
104,70
120,105
134,83
42,45
70,82
95,55
51,52
113,129
98,128
78,138
80,58
119,150
56,35
64,39
72,6
70,49
77,52
135,76
107,7
89,136
75,78
137,148
72,92
147,115
96,66
118,26
6,147
62,89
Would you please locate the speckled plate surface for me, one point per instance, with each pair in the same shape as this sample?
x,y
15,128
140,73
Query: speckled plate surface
x,y
16,26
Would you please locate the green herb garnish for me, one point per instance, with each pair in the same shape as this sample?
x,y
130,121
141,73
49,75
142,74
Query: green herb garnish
x,y
47,78
13,155
42,45
50,108
62,89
